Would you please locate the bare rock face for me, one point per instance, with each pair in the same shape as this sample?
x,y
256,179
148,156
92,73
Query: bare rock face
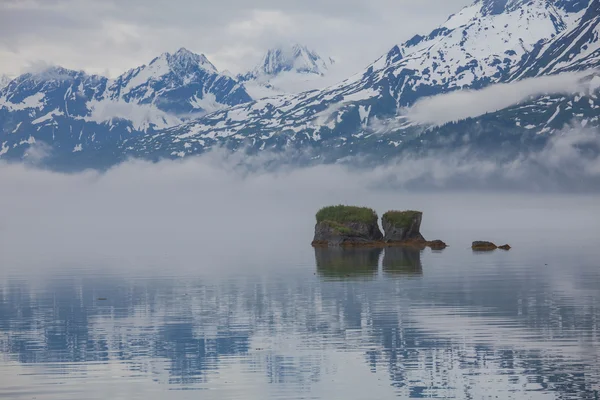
x,y
346,226
402,226
346,234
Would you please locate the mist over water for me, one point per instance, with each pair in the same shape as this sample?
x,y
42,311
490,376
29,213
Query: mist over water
x,y
172,210
162,280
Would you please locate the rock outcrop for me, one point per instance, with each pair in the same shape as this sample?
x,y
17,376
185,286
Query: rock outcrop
x,y
347,226
488,246
403,228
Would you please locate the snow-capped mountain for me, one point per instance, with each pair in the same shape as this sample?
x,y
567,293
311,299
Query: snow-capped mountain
x,y
287,70
294,58
72,110
574,49
180,83
490,42
481,45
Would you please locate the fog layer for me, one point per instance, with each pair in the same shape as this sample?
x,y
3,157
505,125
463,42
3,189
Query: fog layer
x,y
206,211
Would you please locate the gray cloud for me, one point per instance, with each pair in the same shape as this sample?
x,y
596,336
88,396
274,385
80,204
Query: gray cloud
x,y
112,36
472,103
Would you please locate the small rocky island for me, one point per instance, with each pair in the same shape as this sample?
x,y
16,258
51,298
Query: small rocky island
x,y
350,226
488,246
347,226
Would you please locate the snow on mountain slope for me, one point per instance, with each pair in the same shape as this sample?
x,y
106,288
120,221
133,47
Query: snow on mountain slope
x,y
474,48
35,99
575,49
491,41
55,88
521,128
180,83
287,70
296,58
66,108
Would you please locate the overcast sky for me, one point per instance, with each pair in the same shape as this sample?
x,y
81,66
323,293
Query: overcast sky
x,y
111,36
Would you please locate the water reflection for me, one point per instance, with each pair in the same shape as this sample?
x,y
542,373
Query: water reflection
x,y
402,261
304,336
338,262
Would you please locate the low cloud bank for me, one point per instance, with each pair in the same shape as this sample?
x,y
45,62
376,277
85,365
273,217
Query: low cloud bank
x,y
463,104
142,116
570,161
219,208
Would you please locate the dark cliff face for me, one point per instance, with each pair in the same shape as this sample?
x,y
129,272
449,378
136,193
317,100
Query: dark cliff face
x,y
402,226
328,233
343,225
348,226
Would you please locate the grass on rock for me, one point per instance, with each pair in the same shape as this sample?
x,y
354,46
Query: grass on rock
x,y
339,227
401,218
341,214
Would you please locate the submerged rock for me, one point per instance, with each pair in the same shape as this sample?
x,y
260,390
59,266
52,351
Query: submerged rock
x,y
505,247
346,226
437,245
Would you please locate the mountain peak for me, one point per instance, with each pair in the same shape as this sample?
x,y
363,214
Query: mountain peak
x,y
295,58
53,73
184,59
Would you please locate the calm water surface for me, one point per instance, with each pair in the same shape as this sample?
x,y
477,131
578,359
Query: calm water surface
x,y
302,323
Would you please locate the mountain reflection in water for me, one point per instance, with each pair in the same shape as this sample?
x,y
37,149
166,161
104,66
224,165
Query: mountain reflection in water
x,y
358,323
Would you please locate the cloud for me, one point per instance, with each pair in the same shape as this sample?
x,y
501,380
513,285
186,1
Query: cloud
x,y
472,103
167,213
36,153
260,21
142,116
96,35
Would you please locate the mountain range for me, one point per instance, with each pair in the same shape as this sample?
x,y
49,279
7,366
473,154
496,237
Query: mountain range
x,y
180,105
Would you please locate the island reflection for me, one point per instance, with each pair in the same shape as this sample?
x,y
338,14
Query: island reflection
x,y
402,261
341,262
185,332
